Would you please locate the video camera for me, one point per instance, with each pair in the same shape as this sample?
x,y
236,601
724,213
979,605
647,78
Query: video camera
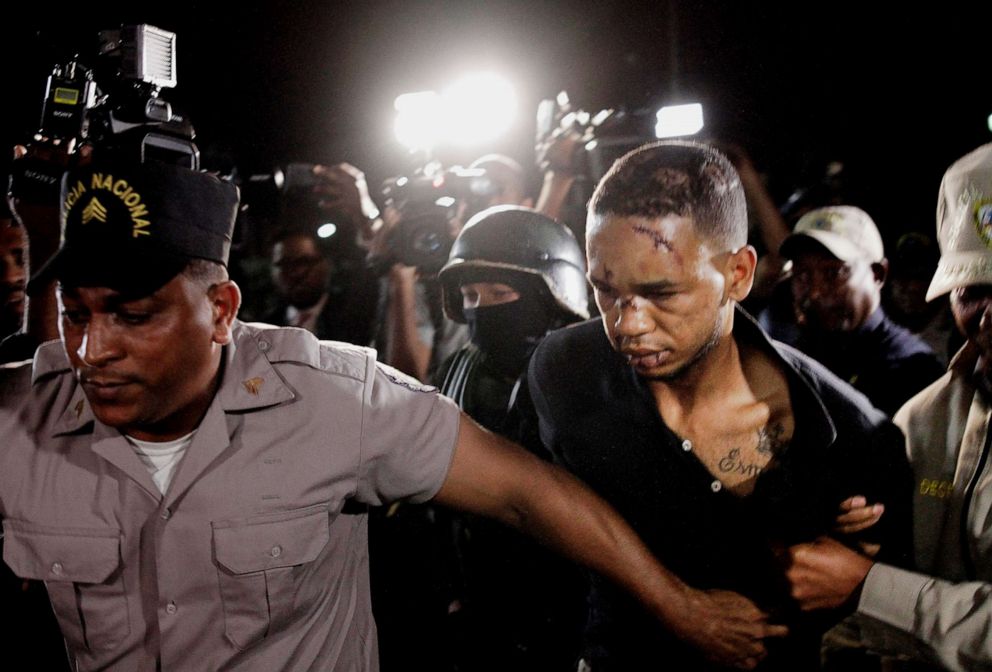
x,y
605,136
428,204
114,104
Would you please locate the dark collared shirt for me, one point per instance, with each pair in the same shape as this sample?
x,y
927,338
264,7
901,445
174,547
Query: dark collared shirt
x,y
886,362
601,422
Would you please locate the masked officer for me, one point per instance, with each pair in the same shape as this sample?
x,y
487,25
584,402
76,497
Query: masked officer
x,y
512,276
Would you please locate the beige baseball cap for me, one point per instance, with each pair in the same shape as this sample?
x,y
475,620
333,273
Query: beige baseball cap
x,y
847,232
964,224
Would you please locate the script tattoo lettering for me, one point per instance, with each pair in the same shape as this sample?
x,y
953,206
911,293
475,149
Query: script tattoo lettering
x,y
732,463
659,240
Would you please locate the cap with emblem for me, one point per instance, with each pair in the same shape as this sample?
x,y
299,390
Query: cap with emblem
x,y
847,232
133,227
964,224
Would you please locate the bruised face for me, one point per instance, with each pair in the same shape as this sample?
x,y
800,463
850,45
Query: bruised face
x,y
833,295
148,365
665,292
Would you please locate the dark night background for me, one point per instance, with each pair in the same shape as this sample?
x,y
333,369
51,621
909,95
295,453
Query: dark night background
x,y
895,96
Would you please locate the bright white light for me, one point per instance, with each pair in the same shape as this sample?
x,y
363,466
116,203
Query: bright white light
x,y
989,122
445,201
418,120
474,110
326,230
676,120
478,108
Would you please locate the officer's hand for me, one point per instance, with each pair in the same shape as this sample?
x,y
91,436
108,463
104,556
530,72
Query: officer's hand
x,y
728,629
857,515
825,574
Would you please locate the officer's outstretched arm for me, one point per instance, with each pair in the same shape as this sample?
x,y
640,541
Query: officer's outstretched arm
x,y
493,477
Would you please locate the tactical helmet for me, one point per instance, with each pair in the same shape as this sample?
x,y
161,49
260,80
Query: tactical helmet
x,y
509,242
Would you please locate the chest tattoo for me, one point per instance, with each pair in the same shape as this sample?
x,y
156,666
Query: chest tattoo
x,y
749,464
733,463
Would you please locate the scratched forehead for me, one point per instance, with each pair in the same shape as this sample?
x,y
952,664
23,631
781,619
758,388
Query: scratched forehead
x,y
664,236
639,249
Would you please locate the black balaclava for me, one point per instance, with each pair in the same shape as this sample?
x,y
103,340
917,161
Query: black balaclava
x,y
507,333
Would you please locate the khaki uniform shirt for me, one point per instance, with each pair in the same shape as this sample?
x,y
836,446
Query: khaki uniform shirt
x,y
941,613
256,557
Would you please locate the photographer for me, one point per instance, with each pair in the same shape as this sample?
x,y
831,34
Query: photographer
x,y
27,613
324,284
35,211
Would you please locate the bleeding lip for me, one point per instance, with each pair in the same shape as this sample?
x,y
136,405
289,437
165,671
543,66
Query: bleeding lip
x,y
646,359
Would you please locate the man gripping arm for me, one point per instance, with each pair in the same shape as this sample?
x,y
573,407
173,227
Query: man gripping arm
x,y
491,476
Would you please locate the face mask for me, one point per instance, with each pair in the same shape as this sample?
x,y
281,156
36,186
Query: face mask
x,y
507,333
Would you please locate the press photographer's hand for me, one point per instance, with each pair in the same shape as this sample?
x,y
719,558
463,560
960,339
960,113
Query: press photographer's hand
x,y
343,191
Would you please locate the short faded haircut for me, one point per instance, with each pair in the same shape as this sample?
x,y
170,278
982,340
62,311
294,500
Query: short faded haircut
x,y
205,273
675,177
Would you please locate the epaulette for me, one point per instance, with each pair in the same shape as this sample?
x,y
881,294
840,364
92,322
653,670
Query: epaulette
x,y
291,344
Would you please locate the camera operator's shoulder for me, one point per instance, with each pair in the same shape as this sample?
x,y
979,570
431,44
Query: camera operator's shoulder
x,y
292,345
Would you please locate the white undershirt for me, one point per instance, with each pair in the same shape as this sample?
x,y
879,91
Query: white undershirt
x,y
161,457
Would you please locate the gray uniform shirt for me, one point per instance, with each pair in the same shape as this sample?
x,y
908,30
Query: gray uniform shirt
x,y
251,560
942,612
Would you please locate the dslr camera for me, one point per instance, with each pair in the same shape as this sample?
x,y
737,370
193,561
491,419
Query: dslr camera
x,y
430,203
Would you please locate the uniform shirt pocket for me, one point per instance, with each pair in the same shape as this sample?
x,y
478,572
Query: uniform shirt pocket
x,y
83,573
262,564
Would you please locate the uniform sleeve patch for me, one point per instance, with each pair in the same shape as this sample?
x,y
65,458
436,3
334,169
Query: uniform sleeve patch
x,y
403,380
